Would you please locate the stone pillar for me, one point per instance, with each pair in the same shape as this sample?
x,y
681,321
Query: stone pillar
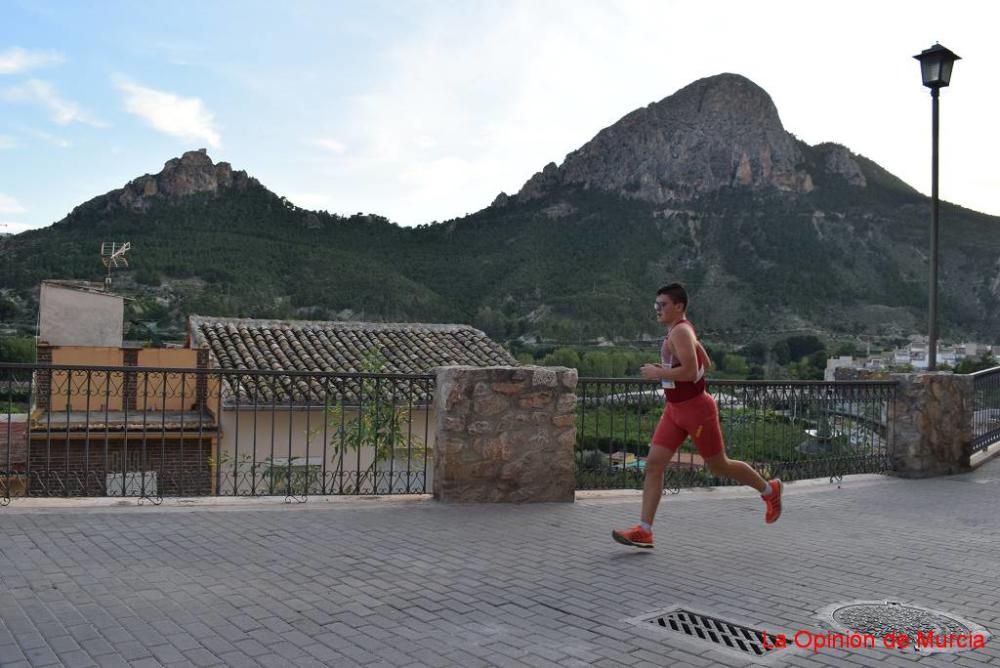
x,y
505,434
931,424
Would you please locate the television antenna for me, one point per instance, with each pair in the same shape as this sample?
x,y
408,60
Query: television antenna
x,y
113,257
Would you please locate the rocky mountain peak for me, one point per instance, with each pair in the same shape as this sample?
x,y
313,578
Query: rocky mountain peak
x,y
193,172
721,131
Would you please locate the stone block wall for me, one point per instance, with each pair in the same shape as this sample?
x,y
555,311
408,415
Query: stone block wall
x,y
505,434
931,422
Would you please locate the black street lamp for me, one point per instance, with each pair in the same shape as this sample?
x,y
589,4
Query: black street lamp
x,y
935,68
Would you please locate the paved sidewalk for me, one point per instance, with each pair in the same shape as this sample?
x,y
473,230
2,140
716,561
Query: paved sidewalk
x,y
389,583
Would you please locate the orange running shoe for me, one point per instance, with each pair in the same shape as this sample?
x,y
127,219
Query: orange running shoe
x,y
636,536
773,502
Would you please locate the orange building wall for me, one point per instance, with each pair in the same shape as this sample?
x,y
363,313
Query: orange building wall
x,y
86,390
169,391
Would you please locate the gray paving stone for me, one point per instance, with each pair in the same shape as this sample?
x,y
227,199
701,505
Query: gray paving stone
x,y
147,663
440,585
97,646
111,661
77,658
202,658
133,650
238,660
10,654
167,654
31,640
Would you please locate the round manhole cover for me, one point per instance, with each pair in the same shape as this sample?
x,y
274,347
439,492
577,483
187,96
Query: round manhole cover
x,y
921,629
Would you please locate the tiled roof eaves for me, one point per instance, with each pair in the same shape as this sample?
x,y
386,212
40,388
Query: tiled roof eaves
x,y
339,347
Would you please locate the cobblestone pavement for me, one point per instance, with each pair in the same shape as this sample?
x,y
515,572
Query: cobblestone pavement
x,y
404,583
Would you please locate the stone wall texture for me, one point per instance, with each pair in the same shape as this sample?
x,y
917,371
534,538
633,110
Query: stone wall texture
x,y
931,422
505,434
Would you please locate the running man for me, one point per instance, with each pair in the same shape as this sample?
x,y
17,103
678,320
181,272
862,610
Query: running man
x,y
689,411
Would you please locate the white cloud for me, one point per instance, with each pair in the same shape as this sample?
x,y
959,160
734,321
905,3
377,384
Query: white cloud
x,y
16,60
183,117
423,141
42,93
534,82
58,142
179,52
14,227
468,103
9,205
331,145
6,142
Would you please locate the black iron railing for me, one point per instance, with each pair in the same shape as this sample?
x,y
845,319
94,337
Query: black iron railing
x,y
986,409
791,430
152,432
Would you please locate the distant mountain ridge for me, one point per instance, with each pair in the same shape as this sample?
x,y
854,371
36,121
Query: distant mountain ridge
x,y
193,172
718,132
705,186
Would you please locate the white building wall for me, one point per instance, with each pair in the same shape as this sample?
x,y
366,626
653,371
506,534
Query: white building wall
x,y
75,317
835,363
245,454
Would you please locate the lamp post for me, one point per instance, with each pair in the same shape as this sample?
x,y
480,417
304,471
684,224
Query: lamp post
x,y
935,68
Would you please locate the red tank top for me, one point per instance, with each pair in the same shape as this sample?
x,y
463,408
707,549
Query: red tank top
x,y
682,389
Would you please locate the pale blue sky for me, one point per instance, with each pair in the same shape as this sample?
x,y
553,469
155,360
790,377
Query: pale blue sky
x,y
422,110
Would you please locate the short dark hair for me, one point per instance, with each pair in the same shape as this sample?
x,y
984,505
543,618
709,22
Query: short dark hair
x,y
676,292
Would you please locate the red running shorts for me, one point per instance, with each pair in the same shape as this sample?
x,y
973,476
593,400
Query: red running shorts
x,y
698,418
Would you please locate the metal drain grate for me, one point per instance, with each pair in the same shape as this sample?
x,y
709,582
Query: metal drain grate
x,y
927,631
723,634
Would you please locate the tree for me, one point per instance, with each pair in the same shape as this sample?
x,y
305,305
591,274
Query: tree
x,y
619,364
381,424
804,370
564,356
8,309
146,276
782,353
525,358
597,365
735,364
801,346
755,352
846,349
970,365
17,349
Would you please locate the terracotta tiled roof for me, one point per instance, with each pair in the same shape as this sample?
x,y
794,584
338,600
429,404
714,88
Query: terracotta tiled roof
x,y
331,347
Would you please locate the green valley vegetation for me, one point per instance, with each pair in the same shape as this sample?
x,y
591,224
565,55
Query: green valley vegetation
x,y
512,272
791,358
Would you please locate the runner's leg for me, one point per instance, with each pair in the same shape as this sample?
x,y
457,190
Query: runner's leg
x,y
666,439
652,487
707,436
722,467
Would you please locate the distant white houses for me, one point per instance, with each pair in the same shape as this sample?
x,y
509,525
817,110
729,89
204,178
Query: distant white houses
x,y
834,363
913,355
